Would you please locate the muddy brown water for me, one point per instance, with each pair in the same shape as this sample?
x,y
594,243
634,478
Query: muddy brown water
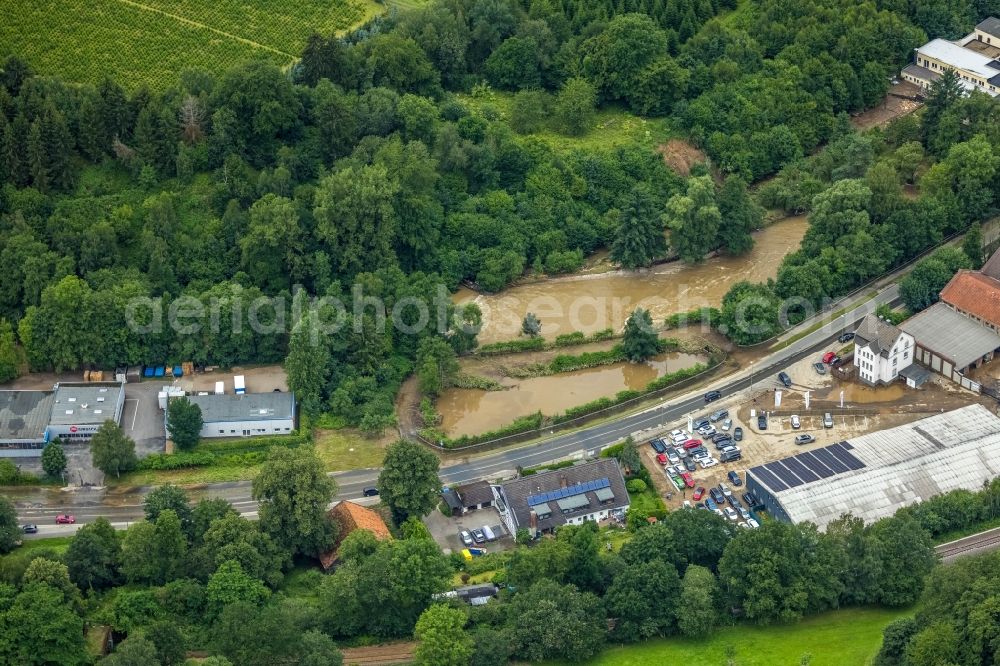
x,y
591,302
470,411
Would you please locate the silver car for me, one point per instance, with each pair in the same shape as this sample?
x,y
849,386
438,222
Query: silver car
x,y
727,424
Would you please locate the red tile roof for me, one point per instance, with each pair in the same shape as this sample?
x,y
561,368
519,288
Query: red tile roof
x,y
973,293
349,517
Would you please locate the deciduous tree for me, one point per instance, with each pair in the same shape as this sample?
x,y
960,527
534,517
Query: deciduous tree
x,y
184,422
409,483
112,451
441,636
640,341
293,492
54,459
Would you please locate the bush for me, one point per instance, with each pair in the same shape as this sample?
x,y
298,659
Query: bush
x,y
176,460
567,339
511,346
709,316
636,486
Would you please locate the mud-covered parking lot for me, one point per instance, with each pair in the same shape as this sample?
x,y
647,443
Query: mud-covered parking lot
x,y
865,410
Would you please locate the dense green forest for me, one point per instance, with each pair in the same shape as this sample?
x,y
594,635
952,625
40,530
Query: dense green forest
x,y
362,173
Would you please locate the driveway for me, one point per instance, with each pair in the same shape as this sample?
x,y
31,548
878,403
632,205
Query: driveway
x,y
445,529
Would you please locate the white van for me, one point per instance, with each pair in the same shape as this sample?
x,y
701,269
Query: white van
x,y
490,536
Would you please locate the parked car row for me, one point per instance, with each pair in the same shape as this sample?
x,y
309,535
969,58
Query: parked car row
x,y
477,535
724,503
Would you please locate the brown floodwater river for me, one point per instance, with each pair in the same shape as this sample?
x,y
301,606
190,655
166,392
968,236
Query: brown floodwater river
x,y
593,302
470,411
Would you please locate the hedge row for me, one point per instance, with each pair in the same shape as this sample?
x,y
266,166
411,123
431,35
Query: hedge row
x,y
244,444
710,316
512,346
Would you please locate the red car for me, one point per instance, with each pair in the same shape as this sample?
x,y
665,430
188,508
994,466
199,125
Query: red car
x,y
661,458
688,479
63,519
699,492
828,357
692,444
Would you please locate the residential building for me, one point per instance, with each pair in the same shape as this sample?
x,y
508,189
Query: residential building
x,y
245,415
350,517
881,350
593,491
974,59
474,595
69,411
875,475
975,295
468,497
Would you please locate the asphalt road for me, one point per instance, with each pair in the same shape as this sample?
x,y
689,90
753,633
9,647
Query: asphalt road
x,y
40,506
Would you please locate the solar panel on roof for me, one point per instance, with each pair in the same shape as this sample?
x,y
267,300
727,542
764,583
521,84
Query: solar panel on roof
x,y
800,469
830,461
786,475
569,491
772,482
816,465
847,445
845,456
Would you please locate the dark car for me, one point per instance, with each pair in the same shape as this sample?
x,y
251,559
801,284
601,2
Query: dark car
x,y
845,337
762,421
819,368
723,444
689,465
658,445
733,502
700,451
750,499
701,423
738,434
719,436
711,396
731,456
370,491
478,536
734,477
30,528
717,495
719,415
785,379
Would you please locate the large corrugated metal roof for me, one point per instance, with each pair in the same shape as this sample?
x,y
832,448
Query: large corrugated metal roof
x,y
245,407
902,465
951,335
954,55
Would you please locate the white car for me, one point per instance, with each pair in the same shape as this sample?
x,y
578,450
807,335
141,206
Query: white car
x,y
795,422
719,513
701,455
743,525
730,514
673,457
727,424
688,505
677,441
676,433
682,452
753,523
707,431
708,462
744,514
725,490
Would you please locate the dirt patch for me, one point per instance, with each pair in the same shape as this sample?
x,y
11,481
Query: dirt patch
x,y
408,407
680,155
395,653
893,106
260,379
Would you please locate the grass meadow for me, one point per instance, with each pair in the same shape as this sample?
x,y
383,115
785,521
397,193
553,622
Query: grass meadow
x,y
846,637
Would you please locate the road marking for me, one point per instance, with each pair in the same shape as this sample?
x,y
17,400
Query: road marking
x,y
135,413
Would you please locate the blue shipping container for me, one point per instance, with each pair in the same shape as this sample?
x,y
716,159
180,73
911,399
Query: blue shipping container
x,y
149,371
160,370
178,371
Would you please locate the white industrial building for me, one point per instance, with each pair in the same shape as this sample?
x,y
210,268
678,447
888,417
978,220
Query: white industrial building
x,y
875,475
246,414
69,411
974,59
881,350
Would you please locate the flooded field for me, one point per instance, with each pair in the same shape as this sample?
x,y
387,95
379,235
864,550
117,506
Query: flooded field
x,y
470,411
593,302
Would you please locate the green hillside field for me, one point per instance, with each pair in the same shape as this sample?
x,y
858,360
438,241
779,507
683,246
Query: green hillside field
x,y
148,42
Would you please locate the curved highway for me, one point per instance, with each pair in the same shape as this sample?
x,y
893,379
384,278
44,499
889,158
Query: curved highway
x,y
40,506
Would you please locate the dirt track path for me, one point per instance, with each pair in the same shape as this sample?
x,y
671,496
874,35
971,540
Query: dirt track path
x,y
395,653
